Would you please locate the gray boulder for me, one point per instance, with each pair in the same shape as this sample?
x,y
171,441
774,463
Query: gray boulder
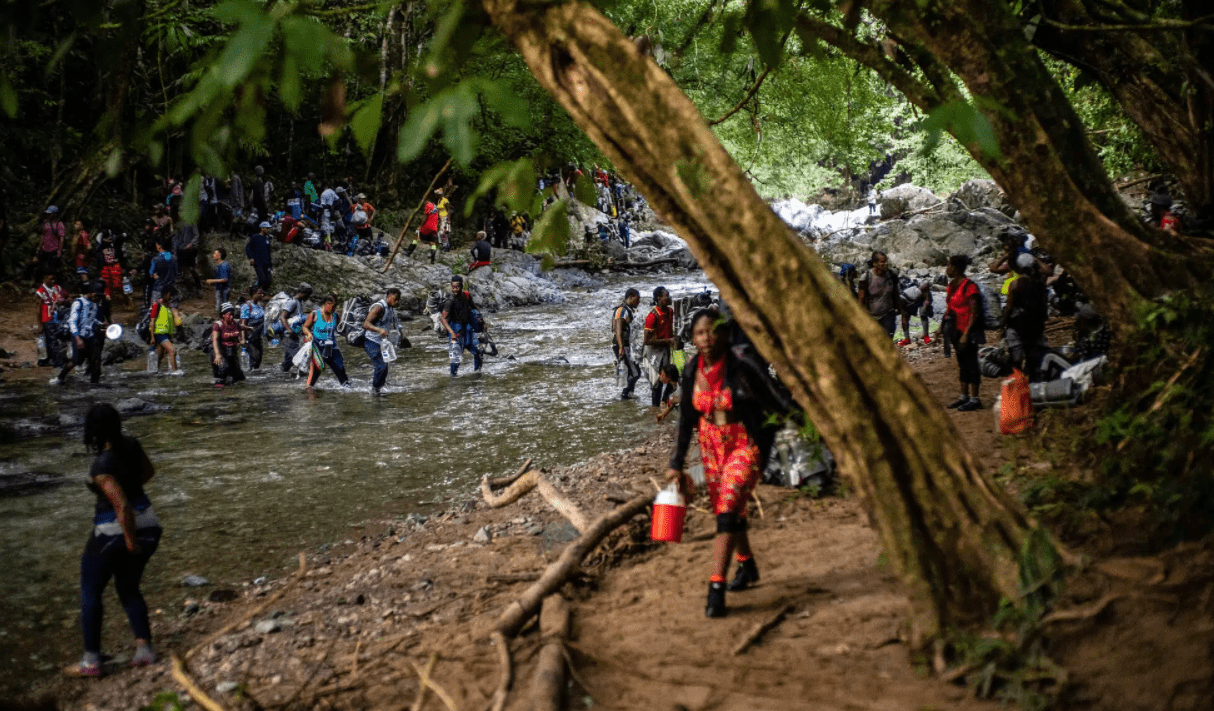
x,y
977,193
906,198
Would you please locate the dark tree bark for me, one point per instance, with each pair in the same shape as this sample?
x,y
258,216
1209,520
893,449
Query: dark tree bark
x,y
1046,165
951,535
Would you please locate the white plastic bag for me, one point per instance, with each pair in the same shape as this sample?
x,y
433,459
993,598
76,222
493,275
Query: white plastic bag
x,y
300,361
1087,373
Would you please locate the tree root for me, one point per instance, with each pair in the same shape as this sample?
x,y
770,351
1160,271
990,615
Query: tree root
x,y
183,677
761,629
519,611
534,479
506,677
548,683
303,566
508,480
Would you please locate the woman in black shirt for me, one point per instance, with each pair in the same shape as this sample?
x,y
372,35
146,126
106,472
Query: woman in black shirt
x,y
125,534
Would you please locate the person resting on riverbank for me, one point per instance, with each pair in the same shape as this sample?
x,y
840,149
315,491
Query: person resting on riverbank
x,y
125,534
730,402
669,378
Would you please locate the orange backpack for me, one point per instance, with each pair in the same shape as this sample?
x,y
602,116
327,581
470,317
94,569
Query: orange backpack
x,y
1016,404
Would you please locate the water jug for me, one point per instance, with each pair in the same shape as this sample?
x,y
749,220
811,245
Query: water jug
x,y
153,364
126,285
669,513
42,348
246,362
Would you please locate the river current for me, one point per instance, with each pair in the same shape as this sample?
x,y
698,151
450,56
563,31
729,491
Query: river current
x,y
251,474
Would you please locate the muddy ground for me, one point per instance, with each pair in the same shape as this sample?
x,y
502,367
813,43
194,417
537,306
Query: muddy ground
x,y
370,610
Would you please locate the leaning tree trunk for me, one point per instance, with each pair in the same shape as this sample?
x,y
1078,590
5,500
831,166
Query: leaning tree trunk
x,y
1045,164
951,535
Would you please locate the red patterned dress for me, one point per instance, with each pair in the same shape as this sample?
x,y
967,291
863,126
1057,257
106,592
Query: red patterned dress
x,y
730,455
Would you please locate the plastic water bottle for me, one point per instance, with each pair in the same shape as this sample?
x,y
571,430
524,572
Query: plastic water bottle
x,y
126,285
153,365
42,355
246,363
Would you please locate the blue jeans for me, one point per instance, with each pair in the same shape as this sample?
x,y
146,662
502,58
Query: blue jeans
x,y
106,557
465,339
377,359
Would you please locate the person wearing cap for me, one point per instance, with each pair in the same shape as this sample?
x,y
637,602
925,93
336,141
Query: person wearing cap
x,y
257,249
362,203
457,319
50,248
1024,317
380,321
87,333
658,343
227,338
290,322
164,319
428,232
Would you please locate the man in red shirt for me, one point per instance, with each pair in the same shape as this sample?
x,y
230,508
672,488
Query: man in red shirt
x,y
428,232
659,341
49,297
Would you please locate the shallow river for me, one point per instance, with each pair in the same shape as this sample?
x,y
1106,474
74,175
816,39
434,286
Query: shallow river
x,y
249,475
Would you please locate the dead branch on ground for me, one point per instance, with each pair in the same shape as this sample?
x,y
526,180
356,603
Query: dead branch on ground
x,y
183,677
506,677
549,681
761,629
534,479
508,480
422,675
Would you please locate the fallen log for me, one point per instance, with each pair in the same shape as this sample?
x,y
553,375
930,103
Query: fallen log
x,y
500,482
761,629
519,611
620,266
549,681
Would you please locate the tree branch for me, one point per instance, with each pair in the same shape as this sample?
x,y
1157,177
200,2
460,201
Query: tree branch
x,y
754,89
1201,23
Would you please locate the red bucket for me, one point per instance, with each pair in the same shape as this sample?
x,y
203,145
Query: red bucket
x,y
669,513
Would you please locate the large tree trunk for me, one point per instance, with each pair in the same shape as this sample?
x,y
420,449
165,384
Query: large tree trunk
x,y
951,535
1046,165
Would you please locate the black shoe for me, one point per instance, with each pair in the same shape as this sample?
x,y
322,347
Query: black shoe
x,y
970,405
626,395
747,575
716,600
958,402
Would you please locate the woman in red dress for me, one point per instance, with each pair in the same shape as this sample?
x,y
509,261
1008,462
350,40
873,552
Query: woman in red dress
x,y
730,402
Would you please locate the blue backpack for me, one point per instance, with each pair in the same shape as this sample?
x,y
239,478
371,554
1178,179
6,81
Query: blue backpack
x,y
478,322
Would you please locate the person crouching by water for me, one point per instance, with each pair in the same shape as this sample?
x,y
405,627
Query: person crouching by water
x,y
125,534
457,319
227,338
320,328
380,321
730,401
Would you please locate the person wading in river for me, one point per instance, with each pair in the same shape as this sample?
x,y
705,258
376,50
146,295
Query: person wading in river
x,y
380,321
457,319
320,329
125,534
227,338
658,342
86,326
291,320
253,322
627,372
164,319
731,403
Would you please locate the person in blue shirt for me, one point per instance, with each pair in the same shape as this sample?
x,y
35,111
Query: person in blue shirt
x,y
253,322
321,330
88,335
257,249
223,277
294,201
163,271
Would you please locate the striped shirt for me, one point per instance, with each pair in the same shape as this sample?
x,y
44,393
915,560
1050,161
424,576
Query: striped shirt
x,y
83,320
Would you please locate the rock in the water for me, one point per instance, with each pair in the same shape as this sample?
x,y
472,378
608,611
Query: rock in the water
x,y
482,536
194,581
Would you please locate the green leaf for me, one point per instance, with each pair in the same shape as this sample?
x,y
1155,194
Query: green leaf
x,y
236,11
458,111
244,49
966,123
730,28
8,97
418,129
584,190
290,84
113,163
518,188
365,123
551,233
489,180
189,201
767,21
499,97
304,39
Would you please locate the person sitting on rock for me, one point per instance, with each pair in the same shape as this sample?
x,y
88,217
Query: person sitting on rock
x,y
482,252
878,291
1161,211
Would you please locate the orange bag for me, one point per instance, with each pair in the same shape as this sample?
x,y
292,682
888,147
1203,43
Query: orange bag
x,y
1016,408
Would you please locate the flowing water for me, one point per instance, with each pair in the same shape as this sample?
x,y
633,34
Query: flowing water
x,y
249,475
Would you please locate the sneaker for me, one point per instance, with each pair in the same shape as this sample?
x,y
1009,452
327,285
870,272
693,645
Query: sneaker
x,y
904,342
958,402
716,600
748,574
927,340
970,405
56,380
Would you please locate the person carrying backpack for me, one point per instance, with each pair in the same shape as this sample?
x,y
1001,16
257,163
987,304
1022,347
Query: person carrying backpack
x,y
87,338
1024,317
380,321
627,372
428,232
965,312
321,330
164,318
878,291
457,318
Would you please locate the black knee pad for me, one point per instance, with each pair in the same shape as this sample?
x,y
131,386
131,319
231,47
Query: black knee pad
x,y
730,523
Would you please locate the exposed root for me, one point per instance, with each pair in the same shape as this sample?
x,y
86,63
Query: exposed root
x,y
506,677
423,676
183,677
549,681
534,479
761,629
508,480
